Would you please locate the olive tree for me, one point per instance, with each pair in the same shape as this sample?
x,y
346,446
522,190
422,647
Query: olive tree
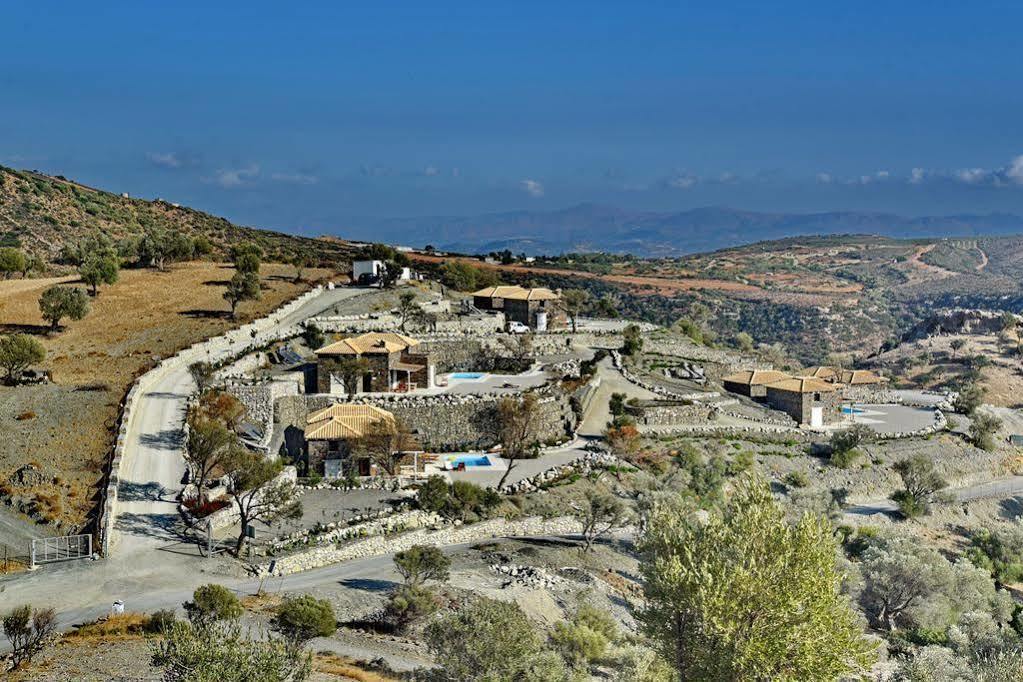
x,y
12,260
59,302
921,483
244,286
983,427
304,617
741,594
599,513
574,302
492,640
518,426
211,603
258,492
421,563
17,353
102,268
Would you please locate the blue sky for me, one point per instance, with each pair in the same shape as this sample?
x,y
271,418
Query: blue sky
x,y
310,117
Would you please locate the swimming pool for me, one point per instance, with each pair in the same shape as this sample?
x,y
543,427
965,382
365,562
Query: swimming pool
x,y
852,410
467,375
467,460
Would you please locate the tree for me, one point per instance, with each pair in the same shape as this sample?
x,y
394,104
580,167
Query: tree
x,y
408,604
218,406
59,302
244,286
421,563
607,306
211,603
844,443
384,443
302,618
744,342
907,584
574,302
408,309
12,260
632,341
209,443
956,345
624,440
247,258
969,399
518,426
599,514
17,353
300,263
740,594
222,652
983,427
32,264
491,641
462,276
257,492
27,631
920,484
99,269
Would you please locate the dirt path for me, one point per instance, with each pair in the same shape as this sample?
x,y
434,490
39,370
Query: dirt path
x,y
983,258
916,261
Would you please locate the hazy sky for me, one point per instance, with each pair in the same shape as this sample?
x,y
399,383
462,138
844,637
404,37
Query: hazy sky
x,y
308,115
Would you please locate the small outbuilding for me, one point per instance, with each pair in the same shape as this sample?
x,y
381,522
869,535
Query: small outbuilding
x,y
332,432
386,362
536,308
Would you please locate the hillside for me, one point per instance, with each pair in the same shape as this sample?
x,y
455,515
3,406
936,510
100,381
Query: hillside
x,y
595,227
41,214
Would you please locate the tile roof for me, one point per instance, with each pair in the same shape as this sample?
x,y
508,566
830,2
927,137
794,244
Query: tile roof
x,y
861,377
824,373
801,385
755,377
369,344
344,421
518,293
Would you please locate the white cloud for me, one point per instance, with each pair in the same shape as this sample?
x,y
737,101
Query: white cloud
x,y
165,160
532,187
295,178
972,176
684,181
430,171
825,178
236,177
918,175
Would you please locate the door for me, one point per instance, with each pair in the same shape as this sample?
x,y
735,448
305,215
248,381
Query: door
x,y
816,417
367,383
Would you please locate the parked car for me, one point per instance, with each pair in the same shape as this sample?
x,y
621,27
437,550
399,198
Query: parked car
x,y
517,328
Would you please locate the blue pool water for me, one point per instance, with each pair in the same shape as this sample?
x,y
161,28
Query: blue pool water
x,y
852,410
470,460
467,375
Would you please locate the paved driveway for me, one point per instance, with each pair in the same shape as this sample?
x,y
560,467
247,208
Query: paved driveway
x,y
893,418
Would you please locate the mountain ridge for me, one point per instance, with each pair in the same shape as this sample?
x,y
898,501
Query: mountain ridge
x,y
599,227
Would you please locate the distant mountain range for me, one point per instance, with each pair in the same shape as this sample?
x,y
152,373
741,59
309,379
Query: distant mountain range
x,y
594,227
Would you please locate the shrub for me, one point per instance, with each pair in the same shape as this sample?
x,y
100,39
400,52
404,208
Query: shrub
x,y
211,603
409,604
796,479
304,617
421,563
161,621
843,459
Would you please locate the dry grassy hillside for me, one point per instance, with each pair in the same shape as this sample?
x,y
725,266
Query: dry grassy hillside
x,y
66,428
42,213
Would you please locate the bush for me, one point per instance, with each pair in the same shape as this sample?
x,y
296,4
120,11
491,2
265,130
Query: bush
x,y
304,617
796,479
161,621
843,459
409,604
909,506
421,563
211,603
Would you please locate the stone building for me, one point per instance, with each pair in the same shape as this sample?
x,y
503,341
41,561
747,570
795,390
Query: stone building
x,y
807,400
387,363
536,308
331,434
752,382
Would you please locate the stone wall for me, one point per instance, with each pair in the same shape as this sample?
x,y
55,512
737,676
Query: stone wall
x,y
259,400
671,414
440,537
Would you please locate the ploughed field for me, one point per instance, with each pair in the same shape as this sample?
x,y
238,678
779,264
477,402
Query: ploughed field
x,y
64,430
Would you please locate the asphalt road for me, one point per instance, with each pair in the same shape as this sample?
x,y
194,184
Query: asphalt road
x,y
1009,486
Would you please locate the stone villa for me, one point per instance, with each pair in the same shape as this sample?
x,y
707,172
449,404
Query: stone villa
x,y
330,434
536,308
389,363
808,400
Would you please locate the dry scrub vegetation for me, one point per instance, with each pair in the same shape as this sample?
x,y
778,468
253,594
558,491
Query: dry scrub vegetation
x,y
66,428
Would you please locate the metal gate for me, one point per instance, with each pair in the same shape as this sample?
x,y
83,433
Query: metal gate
x,y
61,548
